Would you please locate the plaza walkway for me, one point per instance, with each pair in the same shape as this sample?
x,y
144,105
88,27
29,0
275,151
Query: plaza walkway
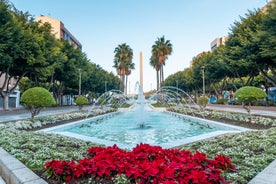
x,y
19,114
267,176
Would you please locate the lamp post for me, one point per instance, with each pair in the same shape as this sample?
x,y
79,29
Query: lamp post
x,y
79,81
203,79
105,86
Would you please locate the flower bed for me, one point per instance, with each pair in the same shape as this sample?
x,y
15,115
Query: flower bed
x,y
43,122
250,151
144,164
257,122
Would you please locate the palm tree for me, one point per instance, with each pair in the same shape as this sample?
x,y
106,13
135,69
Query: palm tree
x,y
161,49
123,63
155,64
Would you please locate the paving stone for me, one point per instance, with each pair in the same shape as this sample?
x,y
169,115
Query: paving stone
x,y
38,181
24,175
267,176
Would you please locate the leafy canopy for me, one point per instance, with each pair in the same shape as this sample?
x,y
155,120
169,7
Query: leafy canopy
x,y
81,100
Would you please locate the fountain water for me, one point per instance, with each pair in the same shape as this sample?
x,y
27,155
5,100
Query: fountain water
x,y
173,96
140,108
109,101
138,124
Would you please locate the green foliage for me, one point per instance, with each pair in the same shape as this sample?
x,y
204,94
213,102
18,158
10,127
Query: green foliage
x,y
159,104
101,101
183,101
34,99
250,92
248,52
125,105
249,95
123,63
28,49
203,101
161,49
221,101
37,97
24,84
121,179
81,100
267,36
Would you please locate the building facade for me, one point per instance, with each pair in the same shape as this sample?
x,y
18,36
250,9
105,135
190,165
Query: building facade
x,y
59,30
14,98
217,42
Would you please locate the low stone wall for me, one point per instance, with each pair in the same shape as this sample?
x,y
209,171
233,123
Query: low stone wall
x,y
14,172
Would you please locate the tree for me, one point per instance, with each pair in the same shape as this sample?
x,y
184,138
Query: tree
x,y
123,63
11,34
156,65
80,101
161,49
24,84
21,49
266,38
242,50
34,99
249,94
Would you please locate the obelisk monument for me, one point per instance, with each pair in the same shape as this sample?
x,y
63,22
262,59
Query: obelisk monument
x,y
141,70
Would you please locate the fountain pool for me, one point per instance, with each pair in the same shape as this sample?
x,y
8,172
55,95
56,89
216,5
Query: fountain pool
x,y
124,129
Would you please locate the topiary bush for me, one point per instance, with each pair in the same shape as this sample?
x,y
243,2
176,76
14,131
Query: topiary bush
x,y
34,99
249,95
203,101
80,101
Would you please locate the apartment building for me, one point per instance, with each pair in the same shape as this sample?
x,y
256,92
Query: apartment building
x,y
217,42
59,30
14,98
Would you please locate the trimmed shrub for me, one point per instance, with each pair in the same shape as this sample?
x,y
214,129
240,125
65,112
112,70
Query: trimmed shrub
x,y
80,101
203,101
249,95
34,99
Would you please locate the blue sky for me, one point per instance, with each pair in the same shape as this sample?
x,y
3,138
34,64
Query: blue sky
x,y
101,25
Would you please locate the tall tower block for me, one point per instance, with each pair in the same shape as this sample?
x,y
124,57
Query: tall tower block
x,y
141,70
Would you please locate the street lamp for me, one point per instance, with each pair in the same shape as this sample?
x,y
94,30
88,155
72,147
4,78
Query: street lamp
x,y
79,81
203,79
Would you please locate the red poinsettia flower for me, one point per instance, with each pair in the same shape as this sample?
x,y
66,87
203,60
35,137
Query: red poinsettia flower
x,y
144,164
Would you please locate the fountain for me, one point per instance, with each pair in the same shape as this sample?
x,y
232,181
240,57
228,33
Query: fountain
x,y
111,100
142,123
173,96
140,108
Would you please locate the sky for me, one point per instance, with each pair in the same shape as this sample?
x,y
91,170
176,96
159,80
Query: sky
x,y
101,25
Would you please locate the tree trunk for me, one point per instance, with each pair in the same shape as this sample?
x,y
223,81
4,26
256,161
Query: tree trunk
x,y
126,85
234,84
162,74
122,84
6,102
215,89
267,77
240,78
248,109
157,80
